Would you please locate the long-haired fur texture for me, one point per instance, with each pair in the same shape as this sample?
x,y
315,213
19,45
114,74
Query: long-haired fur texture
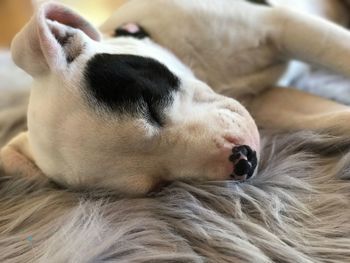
x,y
297,209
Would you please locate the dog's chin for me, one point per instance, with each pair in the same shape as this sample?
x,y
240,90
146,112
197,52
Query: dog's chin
x,y
242,178
158,187
162,184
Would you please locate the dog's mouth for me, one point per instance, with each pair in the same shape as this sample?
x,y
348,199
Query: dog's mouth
x,y
244,161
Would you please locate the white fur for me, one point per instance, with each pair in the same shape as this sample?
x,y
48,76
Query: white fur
x,y
255,41
65,132
225,46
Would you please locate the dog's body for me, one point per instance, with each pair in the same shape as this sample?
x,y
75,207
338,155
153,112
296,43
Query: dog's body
x,y
246,60
133,110
238,48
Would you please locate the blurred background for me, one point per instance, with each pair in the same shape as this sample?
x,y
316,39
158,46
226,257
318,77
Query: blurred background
x,y
15,13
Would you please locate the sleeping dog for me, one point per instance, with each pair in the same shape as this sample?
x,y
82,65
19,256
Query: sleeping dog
x,y
165,97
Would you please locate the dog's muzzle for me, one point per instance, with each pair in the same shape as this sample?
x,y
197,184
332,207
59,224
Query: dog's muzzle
x,y
245,162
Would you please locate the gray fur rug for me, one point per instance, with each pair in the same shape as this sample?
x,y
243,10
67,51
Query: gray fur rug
x,y
296,210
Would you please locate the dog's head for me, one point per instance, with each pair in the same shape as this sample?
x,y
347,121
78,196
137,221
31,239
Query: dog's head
x,y
124,113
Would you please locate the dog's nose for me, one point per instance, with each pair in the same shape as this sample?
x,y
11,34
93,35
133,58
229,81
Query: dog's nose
x,y
245,162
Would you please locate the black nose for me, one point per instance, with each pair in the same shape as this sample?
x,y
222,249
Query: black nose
x,y
244,160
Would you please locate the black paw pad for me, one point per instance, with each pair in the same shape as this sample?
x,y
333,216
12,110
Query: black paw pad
x,y
131,30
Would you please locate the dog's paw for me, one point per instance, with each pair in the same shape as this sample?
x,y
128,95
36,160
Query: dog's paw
x,y
131,30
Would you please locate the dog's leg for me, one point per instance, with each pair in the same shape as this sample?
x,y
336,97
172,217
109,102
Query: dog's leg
x,y
309,38
333,10
288,110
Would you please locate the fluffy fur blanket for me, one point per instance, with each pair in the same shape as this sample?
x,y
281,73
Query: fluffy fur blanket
x,y
297,209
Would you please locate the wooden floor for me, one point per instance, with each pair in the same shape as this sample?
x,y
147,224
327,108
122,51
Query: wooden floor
x,y
15,13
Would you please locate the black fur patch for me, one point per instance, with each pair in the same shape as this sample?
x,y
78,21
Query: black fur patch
x,y
131,84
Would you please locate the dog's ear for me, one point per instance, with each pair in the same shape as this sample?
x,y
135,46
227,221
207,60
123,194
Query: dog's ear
x,y
17,159
53,38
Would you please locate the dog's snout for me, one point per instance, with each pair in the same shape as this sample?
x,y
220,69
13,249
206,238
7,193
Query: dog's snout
x,y
245,162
